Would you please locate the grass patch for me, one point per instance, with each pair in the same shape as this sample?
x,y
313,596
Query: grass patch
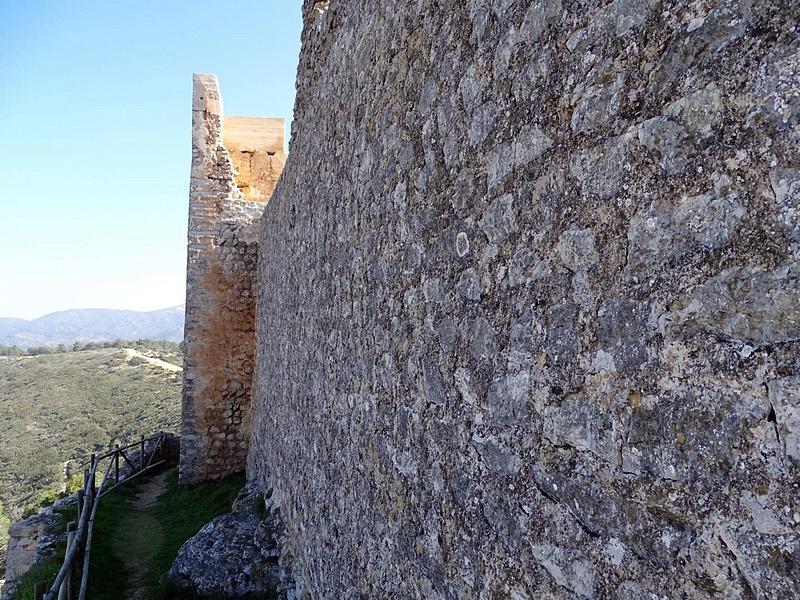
x,y
108,577
149,539
146,540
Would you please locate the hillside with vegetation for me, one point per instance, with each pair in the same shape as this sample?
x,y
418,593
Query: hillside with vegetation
x,y
57,408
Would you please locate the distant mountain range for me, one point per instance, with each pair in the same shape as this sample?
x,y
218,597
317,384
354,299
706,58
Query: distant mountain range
x,y
93,325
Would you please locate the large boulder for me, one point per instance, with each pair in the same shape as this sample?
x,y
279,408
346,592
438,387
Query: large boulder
x,y
235,555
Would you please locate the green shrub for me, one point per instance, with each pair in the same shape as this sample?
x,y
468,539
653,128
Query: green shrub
x,y
74,483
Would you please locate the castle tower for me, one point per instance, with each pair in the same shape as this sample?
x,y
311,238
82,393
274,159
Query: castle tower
x,y
236,162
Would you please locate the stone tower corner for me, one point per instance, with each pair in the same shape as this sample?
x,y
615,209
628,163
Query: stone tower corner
x,y
236,162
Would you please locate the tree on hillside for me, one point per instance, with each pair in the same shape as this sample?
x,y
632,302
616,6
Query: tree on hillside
x,y
38,350
11,351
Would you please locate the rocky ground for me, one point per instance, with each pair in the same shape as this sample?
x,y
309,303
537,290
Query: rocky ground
x,y
236,555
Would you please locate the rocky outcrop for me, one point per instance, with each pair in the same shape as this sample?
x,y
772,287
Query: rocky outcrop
x,y
31,541
528,308
236,555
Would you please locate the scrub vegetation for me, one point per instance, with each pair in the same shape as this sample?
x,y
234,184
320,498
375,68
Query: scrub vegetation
x,y
56,409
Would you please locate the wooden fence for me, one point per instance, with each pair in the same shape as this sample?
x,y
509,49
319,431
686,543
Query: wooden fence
x,y
120,465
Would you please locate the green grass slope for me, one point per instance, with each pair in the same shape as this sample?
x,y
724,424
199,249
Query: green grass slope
x,y
148,539
56,409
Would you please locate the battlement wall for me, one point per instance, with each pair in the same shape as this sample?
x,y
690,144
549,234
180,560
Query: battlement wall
x,y
255,145
529,322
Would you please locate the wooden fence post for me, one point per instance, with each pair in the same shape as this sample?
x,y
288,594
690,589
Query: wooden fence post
x,y
92,477
72,589
67,589
116,463
141,456
39,589
85,534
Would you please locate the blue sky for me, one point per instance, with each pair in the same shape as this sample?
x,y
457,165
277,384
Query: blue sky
x,y
95,138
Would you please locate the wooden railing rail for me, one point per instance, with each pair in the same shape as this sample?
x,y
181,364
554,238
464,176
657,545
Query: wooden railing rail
x,y
79,542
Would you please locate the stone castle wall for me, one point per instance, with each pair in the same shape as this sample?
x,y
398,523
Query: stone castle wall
x,y
236,162
528,323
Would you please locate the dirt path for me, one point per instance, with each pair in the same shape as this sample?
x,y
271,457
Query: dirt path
x,y
140,535
153,361
151,490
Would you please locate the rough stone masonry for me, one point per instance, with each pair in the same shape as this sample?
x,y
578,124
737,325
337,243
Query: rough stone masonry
x,y
236,162
529,303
